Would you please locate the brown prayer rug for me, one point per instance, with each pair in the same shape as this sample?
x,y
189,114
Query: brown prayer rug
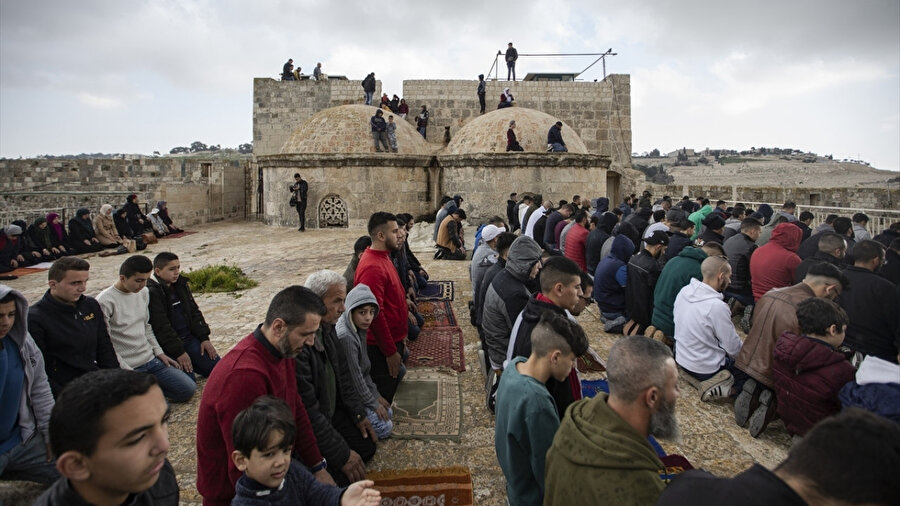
x,y
428,405
437,313
422,487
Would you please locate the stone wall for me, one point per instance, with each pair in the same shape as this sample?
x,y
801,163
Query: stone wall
x,y
197,190
281,106
863,198
599,111
365,184
486,180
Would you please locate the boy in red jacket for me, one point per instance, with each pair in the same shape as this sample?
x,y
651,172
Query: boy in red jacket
x,y
809,371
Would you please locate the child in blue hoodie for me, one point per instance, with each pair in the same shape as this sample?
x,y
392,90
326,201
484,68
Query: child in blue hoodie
x,y
362,307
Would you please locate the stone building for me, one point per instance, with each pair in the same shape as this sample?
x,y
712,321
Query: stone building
x,y
307,127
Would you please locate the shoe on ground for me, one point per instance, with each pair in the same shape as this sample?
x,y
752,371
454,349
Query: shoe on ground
x,y
661,337
614,326
694,382
717,387
763,414
649,331
746,402
746,319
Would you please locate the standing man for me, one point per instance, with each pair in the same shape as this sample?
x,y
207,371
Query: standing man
x,y
287,70
25,397
555,141
260,364
511,56
299,190
317,72
422,122
379,132
368,85
481,91
387,334
68,326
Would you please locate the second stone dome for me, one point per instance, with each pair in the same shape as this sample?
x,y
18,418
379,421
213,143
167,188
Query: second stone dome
x,y
487,133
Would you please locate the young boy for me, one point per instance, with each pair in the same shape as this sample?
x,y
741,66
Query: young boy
x,y
527,418
263,436
109,433
362,307
809,372
176,319
125,309
392,133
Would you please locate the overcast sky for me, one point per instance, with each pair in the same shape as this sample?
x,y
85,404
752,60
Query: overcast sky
x,y
142,76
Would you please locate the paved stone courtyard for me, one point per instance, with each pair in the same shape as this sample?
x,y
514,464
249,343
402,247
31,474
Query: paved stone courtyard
x,y
278,256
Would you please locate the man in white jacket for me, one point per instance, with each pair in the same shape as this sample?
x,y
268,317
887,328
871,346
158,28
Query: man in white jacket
x,y
706,341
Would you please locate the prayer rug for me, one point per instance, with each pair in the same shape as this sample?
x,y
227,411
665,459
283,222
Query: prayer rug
x,y
22,271
590,362
439,486
437,313
438,346
428,405
179,234
436,290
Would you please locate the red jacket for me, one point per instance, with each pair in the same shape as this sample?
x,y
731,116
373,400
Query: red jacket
x,y
808,376
576,245
389,327
773,265
248,371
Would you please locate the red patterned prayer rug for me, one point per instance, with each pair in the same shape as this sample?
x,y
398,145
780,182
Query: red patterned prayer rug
x,y
179,234
437,313
438,346
447,485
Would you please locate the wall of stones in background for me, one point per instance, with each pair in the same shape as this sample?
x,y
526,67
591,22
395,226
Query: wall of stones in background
x,y
279,107
865,198
599,111
197,190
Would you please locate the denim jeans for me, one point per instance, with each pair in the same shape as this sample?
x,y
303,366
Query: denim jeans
x,y
511,70
559,148
202,364
176,385
369,97
746,300
28,461
383,428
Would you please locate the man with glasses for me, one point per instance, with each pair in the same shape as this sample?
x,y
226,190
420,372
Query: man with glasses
x,y
775,313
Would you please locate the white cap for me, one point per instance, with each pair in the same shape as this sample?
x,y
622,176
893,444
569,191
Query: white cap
x,y
491,231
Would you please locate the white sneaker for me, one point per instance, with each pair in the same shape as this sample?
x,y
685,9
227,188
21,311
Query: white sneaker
x,y
717,387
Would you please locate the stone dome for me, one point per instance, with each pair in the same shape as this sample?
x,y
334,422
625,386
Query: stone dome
x,y
345,129
487,133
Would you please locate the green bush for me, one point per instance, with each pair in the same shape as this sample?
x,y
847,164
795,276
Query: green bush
x,y
218,278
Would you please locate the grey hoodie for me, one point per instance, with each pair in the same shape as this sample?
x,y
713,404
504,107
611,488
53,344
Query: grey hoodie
x,y
353,342
35,405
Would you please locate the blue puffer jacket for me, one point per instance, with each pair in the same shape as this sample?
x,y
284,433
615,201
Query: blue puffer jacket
x,y
880,398
608,293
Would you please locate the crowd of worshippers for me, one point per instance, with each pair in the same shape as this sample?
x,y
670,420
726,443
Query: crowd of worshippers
x,y
289,416
822,335
109,232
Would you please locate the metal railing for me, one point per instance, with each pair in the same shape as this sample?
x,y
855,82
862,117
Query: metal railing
x,y
879,219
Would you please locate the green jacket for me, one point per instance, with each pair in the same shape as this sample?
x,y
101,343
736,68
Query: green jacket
x,y
697,219
597,458
675,275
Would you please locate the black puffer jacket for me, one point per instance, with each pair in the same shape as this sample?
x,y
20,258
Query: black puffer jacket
x,y
161,315
738,249
163,493
643,271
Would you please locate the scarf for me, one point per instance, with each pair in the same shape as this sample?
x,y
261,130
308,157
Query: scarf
x,y
81,217
106,210
56,227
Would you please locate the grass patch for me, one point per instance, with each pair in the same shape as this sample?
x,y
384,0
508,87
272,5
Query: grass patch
x,y
218,279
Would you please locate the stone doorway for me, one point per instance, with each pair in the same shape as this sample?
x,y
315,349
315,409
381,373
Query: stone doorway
x,y
612,189
333,212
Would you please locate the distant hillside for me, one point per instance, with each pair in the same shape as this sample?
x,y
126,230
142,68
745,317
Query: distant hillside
x,y
686,167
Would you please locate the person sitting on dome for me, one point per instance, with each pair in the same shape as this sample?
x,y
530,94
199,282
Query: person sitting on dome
x,y
506,99
512,144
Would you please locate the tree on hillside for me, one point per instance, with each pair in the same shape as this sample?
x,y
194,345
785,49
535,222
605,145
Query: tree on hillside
x,y
198,146
179,149
655,153
245,148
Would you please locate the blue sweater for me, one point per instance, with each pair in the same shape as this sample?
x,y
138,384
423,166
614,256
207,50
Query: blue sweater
x,y
299,488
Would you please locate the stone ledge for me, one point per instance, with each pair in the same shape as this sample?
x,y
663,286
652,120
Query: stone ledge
x,y
510,159
344,160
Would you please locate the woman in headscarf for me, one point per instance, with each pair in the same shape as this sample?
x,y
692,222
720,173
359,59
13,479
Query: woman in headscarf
x,y
120,218
164,214
159,228
29,249
59,239
81,233
12,254
39,232
506,99
136,219
105,228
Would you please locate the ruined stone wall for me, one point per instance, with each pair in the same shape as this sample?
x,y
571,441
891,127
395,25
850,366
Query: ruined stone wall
x,y
863,198
486,180
599,111
281,106
364,183
197,190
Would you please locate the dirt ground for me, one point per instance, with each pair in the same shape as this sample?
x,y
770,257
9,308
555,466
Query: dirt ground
x,y
277,257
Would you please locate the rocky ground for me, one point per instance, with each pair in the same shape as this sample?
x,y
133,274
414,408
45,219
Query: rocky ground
x,y
277,257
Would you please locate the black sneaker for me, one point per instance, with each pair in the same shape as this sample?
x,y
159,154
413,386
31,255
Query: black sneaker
x,y
746,402
763,414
